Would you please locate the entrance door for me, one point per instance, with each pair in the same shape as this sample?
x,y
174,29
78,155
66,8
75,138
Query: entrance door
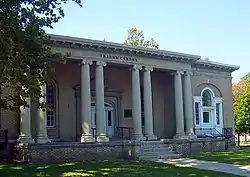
x,y
109,122
207,121
108,116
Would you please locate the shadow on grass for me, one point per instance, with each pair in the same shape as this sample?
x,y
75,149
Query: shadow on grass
x,y
120,168
238,157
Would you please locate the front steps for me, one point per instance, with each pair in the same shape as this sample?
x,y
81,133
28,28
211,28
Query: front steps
x,y
156,150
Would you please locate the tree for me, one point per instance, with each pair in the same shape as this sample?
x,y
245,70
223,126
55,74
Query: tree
x,y
239,87
246,78
242,112
136,38
25,55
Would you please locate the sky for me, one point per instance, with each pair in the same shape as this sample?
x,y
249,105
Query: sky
x,y
219,30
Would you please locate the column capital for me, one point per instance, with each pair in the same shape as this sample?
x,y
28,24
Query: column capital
x,y
90,62
188,73
148,68
101,63
177,72
135,67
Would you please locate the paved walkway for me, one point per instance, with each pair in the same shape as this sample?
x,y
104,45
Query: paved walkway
x,y
213,166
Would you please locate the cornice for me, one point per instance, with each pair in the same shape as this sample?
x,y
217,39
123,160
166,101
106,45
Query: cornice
x,y
103,46
108,47
215,65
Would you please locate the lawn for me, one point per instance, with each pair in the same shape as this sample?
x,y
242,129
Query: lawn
x,y
239,156
105,168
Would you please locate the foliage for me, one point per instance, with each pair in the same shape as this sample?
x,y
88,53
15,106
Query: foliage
x,y
242,112
136,38
246,77
239,87
25,55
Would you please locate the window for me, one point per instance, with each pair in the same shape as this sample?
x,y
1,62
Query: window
x,y
206,117
51,102
197,113
208,113
206,98
218,113
127,113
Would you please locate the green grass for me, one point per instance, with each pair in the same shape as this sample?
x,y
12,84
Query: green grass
x,y
239,156
119,168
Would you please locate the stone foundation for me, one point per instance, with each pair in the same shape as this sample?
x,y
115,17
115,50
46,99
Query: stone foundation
x,y
196,146
76,151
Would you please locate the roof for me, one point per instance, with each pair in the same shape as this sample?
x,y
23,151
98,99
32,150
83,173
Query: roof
x,y
215,65
138,51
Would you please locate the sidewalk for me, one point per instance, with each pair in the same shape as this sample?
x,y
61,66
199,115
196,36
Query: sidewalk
x,y
208,165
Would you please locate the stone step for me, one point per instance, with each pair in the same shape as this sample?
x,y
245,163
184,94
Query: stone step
x,y
153,149
171,156
157,157
157,153
151,142
154,146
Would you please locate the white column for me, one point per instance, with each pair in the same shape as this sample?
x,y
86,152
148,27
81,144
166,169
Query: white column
x,y
188,105
25,124
42,136
101,131
136,103
148,105
86,102
179,105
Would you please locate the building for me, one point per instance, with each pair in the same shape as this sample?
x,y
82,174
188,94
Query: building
x,y
109,91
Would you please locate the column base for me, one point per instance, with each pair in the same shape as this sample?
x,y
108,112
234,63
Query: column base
x,y
87,138
42,139
138,137
25,139
102,138
180,136
191,136
150,137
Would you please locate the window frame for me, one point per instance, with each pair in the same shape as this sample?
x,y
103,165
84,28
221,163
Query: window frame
x,y
197,99
214,100
219,100
54,97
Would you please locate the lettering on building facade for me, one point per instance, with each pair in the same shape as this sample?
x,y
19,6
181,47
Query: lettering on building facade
x,y
117,57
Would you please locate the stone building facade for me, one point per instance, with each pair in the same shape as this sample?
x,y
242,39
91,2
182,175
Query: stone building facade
x,y
108,87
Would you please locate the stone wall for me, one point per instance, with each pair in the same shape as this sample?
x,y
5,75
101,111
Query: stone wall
x,y
195,146
70,152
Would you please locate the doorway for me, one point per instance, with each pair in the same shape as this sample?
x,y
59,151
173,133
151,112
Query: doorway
x,y
108,116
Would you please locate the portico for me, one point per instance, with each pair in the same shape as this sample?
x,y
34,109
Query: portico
x,y
153,94
99,120
105,88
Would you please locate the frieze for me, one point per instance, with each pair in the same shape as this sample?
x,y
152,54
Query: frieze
x,y
211,75
117,57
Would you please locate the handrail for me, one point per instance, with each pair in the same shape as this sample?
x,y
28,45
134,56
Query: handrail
x,y
93,132
4,136
122,128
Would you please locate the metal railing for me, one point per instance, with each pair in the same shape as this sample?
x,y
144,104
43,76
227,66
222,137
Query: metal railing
x,y
227,133
121,131
3,138
213,132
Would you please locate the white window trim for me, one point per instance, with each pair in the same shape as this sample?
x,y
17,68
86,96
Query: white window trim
x,y
53,126
220,101
197,99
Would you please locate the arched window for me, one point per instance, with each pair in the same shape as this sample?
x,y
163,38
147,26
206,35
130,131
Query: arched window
x,y
207,98
208,113
51,102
